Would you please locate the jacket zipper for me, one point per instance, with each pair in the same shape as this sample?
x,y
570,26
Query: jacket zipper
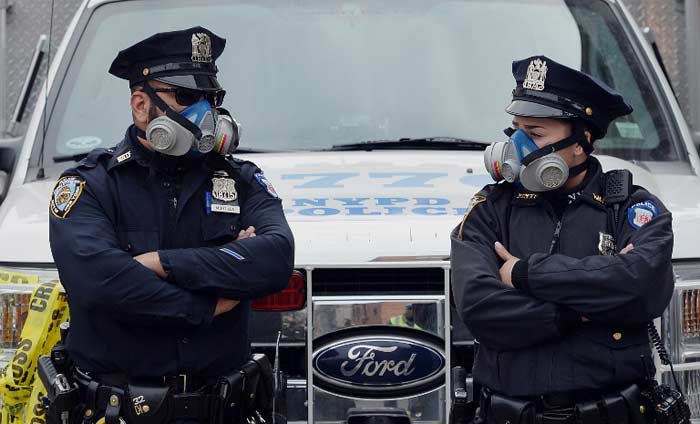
x,y
555,238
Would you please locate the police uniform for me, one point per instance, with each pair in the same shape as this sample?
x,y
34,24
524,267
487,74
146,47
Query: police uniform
x,y
121,202
573,326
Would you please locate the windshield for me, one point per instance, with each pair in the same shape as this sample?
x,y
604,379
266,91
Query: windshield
x,y
313,74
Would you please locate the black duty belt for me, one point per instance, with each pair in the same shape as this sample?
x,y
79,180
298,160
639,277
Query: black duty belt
x,y
589,407
182,396
181,383
244,395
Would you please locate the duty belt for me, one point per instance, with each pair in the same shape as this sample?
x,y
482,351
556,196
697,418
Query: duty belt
x,y
604,407
182,396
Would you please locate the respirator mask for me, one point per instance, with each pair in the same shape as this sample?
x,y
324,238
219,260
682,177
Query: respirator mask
x,y
520,160
199,129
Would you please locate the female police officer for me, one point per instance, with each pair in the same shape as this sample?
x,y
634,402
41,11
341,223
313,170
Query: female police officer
x,y
555,275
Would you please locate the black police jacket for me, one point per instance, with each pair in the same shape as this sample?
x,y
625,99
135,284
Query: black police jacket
x,y
117,204
575,318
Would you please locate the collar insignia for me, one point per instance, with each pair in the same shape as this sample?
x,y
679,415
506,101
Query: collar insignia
x,y
527,196
121,158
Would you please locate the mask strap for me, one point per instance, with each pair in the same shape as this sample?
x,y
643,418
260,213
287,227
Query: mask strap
x,y
574,138
170,113
586,146
575,170
141,133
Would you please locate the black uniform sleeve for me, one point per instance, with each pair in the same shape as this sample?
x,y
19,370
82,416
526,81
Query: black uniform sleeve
x,y
500,317
243,269
631,288
97,274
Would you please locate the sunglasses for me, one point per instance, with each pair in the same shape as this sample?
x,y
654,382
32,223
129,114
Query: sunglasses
x,y
188,97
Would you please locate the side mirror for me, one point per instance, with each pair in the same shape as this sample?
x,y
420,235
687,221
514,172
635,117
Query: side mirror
x,y
14,143
40,51
291,298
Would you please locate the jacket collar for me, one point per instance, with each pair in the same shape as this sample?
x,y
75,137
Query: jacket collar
x,y
130,150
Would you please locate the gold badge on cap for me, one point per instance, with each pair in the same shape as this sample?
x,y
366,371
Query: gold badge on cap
x,y
201,48
536,74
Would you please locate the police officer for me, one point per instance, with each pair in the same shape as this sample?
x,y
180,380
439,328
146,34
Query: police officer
x,y
556,275
162,241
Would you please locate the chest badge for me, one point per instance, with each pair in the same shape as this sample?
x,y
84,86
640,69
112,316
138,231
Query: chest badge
x,y
224,189
223,196
606,244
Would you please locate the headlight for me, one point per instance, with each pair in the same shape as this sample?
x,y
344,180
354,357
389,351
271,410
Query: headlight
x,y
16,287
681,330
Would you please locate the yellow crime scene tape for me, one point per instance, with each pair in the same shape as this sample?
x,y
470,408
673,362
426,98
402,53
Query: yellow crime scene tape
x,y
11,277
20,388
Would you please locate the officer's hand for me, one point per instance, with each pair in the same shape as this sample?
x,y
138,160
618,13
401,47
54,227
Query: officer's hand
x,y
151,260
627,249
509,262
247,233
224,305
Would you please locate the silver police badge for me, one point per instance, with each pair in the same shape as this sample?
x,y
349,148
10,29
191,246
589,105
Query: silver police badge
x,y
201,48
606,244
224,189
536,74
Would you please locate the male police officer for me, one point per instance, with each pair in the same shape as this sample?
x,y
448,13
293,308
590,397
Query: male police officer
x,y
555,275
158,240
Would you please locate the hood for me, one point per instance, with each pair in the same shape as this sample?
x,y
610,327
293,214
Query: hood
x,y
354,207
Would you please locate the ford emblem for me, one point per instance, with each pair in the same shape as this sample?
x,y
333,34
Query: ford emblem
x,y
378,362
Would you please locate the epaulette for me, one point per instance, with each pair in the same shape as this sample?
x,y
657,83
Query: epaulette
x,y
246,167
252,172
94,157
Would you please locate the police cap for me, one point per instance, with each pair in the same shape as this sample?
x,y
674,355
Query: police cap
x,y
547,89
181,58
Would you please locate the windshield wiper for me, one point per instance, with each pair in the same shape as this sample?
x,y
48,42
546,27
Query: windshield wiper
x,y
425,143
76,157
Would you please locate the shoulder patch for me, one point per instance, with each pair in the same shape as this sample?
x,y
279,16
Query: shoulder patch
x,y
475,200
65,194
266,184
641,213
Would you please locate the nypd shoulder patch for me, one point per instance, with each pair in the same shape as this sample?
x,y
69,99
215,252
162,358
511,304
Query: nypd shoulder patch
x,y
641,213
65,194
473,202
266,184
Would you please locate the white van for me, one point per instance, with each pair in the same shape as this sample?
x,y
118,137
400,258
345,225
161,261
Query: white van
x,y
370,118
